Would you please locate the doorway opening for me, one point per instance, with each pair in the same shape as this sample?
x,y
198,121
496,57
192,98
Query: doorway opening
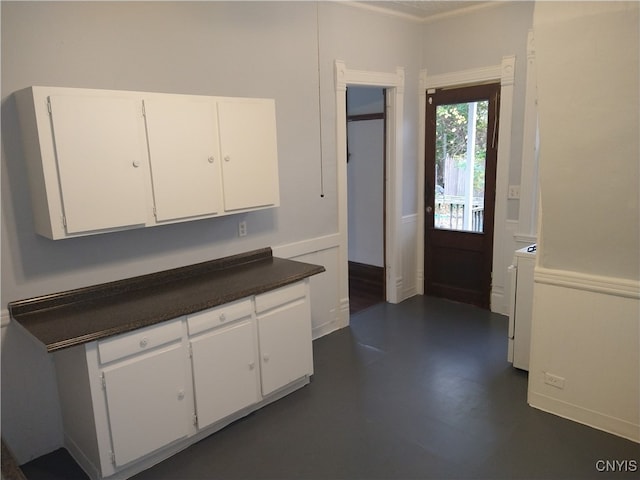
x,y
461,146
366,147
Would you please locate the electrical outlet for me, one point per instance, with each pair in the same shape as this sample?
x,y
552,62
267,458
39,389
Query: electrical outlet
x,y
514,192
242,229
553,380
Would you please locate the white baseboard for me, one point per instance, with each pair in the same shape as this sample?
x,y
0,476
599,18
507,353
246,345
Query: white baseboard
x,y
615,426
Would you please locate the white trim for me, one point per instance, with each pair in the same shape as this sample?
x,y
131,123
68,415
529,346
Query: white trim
x,y
372,7
529,188
5,318
591,418
620,287
394,82
305,247
505,73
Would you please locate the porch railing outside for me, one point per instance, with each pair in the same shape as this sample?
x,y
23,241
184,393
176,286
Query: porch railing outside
x,y
449,213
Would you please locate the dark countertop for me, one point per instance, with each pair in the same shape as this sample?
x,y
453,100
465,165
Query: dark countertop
x,y
79,316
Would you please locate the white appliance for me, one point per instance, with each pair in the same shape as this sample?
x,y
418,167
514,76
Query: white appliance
x,y
521,304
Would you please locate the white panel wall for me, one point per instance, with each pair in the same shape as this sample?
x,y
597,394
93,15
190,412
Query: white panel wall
x,y
586,311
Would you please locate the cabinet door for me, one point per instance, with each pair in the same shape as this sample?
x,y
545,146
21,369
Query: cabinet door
x,y
146,403
249,152
183,150
224,372
101,157
285,344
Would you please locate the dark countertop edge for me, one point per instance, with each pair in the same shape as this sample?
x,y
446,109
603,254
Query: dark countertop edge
x,y
79,295
25,311
124,328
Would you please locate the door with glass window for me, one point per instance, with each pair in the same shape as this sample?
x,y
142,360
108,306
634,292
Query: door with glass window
x,y
461,157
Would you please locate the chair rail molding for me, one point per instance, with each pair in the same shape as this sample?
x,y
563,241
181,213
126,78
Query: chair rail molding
x,y
394,83
504,73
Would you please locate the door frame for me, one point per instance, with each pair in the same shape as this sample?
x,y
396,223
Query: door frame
x,y
394,99
504,73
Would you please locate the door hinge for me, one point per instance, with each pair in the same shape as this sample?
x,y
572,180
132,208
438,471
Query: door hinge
x,y
113,457
144,111
103,381
190,351
155,213
195,419
49,105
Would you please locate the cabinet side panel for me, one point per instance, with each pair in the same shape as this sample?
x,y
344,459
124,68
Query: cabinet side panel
x,y
32,106
74,388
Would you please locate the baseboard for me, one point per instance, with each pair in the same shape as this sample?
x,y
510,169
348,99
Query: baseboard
x,y
615,426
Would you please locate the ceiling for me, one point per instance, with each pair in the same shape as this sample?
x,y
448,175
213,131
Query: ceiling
x,y
422,9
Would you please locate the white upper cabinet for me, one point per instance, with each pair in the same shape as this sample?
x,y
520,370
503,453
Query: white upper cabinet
x,y
249,153
184,156
87,160
102,160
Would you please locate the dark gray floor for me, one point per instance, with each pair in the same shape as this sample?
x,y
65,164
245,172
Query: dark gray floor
x,y
417,390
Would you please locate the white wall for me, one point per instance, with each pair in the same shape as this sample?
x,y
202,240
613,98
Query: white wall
x,y
365,177
262,49
365,180
586,311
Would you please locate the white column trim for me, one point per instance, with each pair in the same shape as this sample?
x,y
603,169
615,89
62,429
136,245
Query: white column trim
x,y
529,187
394,82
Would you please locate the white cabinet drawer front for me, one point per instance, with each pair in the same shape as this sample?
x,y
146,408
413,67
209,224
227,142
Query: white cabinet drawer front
x,y
222,315
281,296
139,341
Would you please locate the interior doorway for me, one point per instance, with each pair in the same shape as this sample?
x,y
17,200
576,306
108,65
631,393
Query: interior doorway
x,y
366,147
461,147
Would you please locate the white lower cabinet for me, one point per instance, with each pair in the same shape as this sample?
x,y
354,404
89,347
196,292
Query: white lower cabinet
x,y
146,403
225,373
284,336
132,400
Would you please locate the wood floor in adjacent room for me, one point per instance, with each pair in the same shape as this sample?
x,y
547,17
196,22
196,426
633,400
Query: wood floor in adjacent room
x,y
417,390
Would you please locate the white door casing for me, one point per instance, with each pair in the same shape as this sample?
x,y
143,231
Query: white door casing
x,y
394,83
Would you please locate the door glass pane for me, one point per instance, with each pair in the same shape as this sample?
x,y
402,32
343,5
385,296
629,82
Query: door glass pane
x,y
461,147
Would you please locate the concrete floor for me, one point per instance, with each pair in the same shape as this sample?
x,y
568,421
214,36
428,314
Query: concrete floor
x,y
416,390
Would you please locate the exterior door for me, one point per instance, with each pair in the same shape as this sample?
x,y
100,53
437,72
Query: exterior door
x,y
461,158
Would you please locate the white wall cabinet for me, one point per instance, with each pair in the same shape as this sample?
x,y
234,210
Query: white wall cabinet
x,y
184,156
102,160
132,400
249,153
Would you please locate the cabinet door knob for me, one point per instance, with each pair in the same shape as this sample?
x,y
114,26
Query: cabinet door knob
x,y
136,163
265,357
222,317
144,342
211,159
227,158
252,365
180,394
